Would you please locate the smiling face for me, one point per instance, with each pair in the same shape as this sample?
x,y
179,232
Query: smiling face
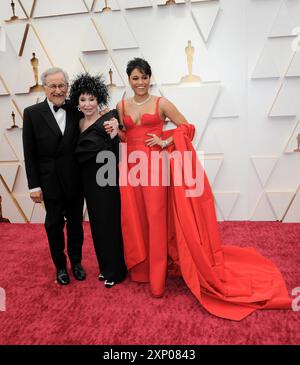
x,y
88,104
56,88
139,82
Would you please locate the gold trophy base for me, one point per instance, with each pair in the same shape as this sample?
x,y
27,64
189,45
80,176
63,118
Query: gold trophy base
x,y
36,88
12,127
4,220
191,78
170,2
111,85
105,9
297,150
12,19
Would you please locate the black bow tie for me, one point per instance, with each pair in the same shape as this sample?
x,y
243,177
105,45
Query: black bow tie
x,y
56,108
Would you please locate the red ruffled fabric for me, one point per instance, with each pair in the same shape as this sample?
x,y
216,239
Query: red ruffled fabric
x,y
229,281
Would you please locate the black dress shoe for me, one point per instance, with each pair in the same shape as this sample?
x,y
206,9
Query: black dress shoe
x,y
78,272
101,277
62,277
109,284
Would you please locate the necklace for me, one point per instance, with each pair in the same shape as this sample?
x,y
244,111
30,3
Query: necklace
x,y
142,102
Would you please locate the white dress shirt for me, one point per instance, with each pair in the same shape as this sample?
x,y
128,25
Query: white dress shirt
x,y
60,116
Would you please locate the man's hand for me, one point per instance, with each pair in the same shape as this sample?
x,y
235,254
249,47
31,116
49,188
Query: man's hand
x,y
103,111
37,196
111,127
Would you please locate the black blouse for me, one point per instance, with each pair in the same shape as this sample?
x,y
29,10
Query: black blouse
x,y
94,139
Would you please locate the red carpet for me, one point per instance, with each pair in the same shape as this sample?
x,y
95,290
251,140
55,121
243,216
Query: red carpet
x,y
39,311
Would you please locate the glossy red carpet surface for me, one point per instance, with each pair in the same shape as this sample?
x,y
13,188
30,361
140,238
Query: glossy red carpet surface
x,y
39,311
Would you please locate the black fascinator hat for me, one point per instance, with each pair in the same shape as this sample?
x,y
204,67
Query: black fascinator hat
x,y
87,84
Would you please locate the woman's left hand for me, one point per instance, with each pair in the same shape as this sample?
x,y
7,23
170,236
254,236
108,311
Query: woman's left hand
x,y
154,140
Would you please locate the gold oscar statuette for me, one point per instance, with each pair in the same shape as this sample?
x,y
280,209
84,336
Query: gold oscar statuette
x,y
106,8
298,144
13,17
170,2
111,84
13,115
189,51
2,219
35,66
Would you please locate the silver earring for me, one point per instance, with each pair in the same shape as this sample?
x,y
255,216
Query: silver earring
x,y
79,108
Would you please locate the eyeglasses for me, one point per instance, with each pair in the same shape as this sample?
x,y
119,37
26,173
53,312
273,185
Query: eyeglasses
x,y
54,87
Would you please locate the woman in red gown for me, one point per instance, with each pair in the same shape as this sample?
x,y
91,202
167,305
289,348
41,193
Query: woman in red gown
x,y
163,224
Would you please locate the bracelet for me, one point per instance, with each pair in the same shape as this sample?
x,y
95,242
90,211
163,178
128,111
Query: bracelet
x,y
164,143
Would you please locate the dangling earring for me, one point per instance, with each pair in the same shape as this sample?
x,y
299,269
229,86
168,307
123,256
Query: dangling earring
x,y
79,108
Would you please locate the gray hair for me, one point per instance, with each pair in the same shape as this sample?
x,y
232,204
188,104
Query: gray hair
x,y
52,71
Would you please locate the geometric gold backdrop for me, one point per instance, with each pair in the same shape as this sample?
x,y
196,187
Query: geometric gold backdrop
x,y
245,104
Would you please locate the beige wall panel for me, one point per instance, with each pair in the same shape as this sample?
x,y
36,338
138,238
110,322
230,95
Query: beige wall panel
x,y
274,59
9,208
286,100
15,140
28,6
292,144
197,113
287,19
294,67
209,142
58,7
280,201
226,201
263,210
9,171
115,30
101,62
226,105
7,154
91,39
65,51
20,187
38,214
264,165
205,15
15,33
212,166
26,204
293,213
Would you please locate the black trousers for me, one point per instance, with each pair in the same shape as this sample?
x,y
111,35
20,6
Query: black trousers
x,y
60,212
104,209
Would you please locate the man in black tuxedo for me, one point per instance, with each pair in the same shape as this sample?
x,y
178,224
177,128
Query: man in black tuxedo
x,y
50,132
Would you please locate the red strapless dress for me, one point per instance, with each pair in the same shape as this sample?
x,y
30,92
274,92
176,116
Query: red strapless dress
x,y
144,209
160,222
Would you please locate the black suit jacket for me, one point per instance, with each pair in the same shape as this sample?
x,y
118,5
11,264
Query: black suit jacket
x,y
50,161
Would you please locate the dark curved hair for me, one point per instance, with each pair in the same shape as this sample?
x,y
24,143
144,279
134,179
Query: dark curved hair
x,y
87,84
139,63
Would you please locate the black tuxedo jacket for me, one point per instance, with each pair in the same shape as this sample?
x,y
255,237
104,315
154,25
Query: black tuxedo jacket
x,y
50,161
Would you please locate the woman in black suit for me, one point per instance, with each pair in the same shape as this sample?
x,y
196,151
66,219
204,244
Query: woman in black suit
x,y
101,190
